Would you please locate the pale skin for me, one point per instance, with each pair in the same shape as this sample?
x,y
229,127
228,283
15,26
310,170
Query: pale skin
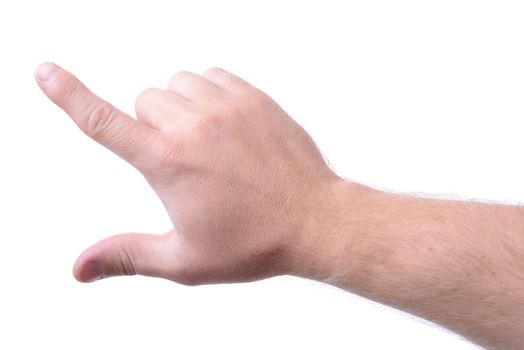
x,y
250,197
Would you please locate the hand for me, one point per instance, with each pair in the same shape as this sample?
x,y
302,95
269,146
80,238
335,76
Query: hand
x,y
241,181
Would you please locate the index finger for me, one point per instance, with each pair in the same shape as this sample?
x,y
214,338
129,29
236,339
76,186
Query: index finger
x,y
97,118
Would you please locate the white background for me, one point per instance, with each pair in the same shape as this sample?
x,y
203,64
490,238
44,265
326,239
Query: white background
x,y
406,95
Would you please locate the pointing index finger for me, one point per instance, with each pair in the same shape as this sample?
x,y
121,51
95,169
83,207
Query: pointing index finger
x,y
97,118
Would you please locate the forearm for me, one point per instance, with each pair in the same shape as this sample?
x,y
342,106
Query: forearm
x,y
459,264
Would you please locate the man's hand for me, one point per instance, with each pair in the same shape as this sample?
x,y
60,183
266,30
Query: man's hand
x,y
250,197
241,181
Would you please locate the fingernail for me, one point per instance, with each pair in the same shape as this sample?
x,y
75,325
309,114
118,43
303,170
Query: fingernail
x,y
91,272
45,71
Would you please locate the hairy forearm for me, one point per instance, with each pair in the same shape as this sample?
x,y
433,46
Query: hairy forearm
x,y
459,264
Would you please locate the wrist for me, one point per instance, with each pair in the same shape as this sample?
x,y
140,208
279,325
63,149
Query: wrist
x,y
334,241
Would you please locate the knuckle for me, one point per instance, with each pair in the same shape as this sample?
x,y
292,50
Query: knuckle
x,y
164,160
126,265
207,124
100,119
256,96
214,71
208,127
181,77
69,89
145,97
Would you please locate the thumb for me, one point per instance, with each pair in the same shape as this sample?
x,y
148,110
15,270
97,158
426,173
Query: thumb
x,y
126,254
